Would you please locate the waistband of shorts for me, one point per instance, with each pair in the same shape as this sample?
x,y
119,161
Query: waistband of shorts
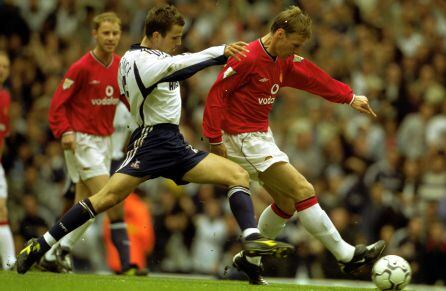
x,y
165,126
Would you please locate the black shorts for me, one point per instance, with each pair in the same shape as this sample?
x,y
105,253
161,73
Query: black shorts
x,y
160,151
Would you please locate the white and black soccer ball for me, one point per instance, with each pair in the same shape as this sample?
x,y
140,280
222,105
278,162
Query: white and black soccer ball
x,y
391,273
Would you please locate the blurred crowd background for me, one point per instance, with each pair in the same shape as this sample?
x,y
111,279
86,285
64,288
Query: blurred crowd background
x,y
376,178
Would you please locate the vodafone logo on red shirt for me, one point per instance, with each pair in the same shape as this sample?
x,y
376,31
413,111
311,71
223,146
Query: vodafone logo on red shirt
x,y
105,101
109,100
270,100
266,101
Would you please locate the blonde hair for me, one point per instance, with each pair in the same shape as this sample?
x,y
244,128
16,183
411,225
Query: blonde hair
x,y
106,16
293,20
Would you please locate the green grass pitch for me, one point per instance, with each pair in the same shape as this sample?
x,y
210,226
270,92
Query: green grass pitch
x,y
36,281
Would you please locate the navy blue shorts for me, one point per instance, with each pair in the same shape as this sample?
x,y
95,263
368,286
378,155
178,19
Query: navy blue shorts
x,y
160,151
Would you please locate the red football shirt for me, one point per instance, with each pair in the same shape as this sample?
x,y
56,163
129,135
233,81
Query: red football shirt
x,y
243,94
5,102
85,101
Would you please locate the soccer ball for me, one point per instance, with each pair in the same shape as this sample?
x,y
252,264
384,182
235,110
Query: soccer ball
x,y
391,273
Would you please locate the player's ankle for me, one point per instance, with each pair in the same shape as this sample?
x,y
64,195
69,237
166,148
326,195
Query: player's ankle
x,y
254,236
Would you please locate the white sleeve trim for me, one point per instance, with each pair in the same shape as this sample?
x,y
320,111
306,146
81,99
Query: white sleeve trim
x,y
216,143
353,99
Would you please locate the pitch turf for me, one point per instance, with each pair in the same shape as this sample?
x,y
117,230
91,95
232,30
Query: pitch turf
x,y
36,281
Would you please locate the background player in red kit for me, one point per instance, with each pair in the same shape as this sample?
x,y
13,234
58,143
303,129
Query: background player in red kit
x,y
81,114
239,103
7,250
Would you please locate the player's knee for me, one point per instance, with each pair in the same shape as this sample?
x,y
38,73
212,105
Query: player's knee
x,y
239,177
285,204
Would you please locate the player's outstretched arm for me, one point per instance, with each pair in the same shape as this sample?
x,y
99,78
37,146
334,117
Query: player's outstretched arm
x,y
361,104
181,67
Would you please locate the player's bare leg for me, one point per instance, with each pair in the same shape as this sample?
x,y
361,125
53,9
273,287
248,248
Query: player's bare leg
x,y
214,169
115,191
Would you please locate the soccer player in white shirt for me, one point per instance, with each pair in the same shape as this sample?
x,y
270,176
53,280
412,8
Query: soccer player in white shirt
x,y
148,76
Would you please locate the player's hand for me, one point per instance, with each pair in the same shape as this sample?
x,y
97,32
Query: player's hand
x,y
219,149
361,104
68,141
236,50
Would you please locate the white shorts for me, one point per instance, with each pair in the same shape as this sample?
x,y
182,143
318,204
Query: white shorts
x,y
3,186
254,151
91,158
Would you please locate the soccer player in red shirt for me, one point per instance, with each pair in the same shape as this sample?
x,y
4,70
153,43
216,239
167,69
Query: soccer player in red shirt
x,y
7,250
238,105
81,115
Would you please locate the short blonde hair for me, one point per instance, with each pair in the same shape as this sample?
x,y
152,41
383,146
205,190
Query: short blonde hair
x,y
106,16
293,20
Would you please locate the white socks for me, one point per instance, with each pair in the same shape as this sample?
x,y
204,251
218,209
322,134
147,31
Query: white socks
x,y
315,221
271,224
318,224
7,250
247,232
69,240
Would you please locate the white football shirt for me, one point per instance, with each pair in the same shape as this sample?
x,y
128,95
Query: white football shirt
x,y
149,79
